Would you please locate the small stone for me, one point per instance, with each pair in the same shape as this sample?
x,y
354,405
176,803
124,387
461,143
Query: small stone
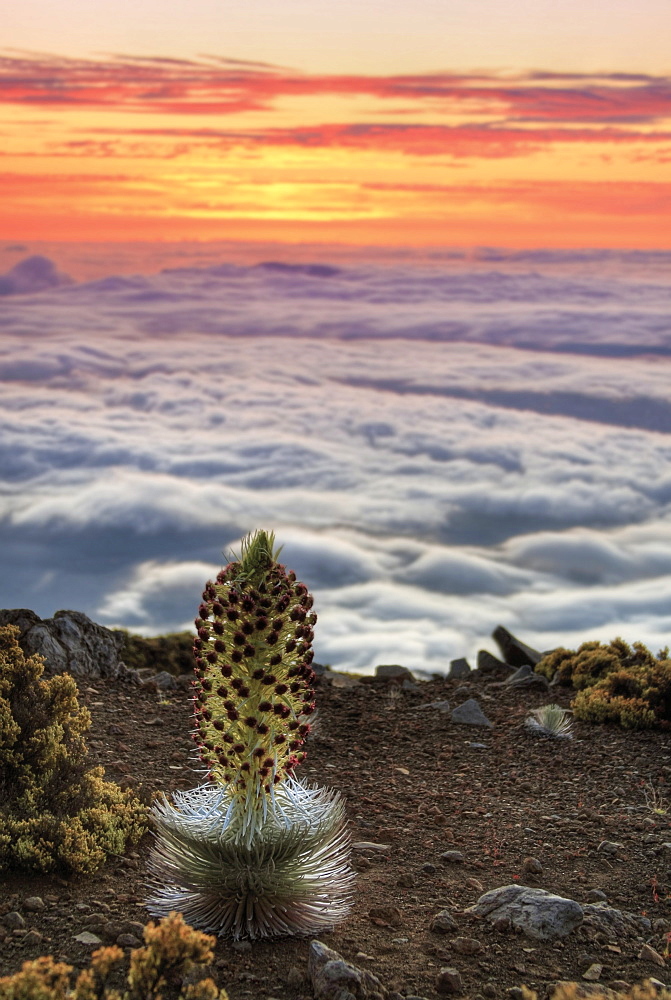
x,y
388,914
393,671
128,941
86,937
502,924
406,880
242,946
443,923
648,954
369,845
593,973
620,985
448,980
428,868
514,652
467,946
489,990
596,896
442,705
3,932
13,920
83,907
515,993
295,976
487,662
470,714
459,668
32,937
532,866
452,857
33,904
656,984
609,847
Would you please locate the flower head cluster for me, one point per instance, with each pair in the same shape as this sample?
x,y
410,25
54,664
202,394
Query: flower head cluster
x,y
253,690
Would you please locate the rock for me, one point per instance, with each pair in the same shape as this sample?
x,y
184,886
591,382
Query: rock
x,y
615,924
514,652
368,845
448,980
581,991
489,990
470,714
452,857
393,672
33,904
162,681
459,668
609,847
344,681
439,706
466,945
525,676
388,914
593,973
596,896
443,923
13,920
32,937
335,979
648,954
69,641
532,866
128,941
539,914
86,937
295,976
488,663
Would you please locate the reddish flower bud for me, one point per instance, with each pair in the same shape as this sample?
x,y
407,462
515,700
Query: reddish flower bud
x,y
265,706
247,604
245,767
259,752
269,679
226,670
293,724
249,650
280,738
197,645
218,628
272,638
236,683
244,691
263,772
206,684
290,646
217,608
211,657
236,656
229,706
219,646
250,721
233,715
239,639
278,623
232,615
260,624
204,634
222,691
281,688
204,611
239,747
198,623
247,628
218,724
262,728
259,674
233,597
275,659
269,762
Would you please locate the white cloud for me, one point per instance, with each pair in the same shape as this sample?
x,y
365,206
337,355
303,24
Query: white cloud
x,y
432,452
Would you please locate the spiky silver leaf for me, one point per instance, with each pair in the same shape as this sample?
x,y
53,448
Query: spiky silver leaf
x,y
550,720
288,873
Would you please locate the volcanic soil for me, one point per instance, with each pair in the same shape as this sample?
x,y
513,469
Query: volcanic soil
x,y
517,808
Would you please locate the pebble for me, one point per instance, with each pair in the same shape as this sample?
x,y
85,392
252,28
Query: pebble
x,y
593,973
128,941
32,937
86,937
443,922
295,976
515,993
242,946
452,857
449,980
33,903
489,990
470,714
13,920
428,868
648,954
369,845
467,946
389,914
596,896
608,847
532,866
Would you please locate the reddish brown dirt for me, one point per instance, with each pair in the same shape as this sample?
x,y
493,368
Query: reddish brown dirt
x,y
414,781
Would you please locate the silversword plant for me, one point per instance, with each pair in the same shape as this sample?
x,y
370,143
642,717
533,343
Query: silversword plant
x,y
253,852
550,720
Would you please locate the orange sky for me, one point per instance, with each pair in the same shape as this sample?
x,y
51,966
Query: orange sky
x,y
120,148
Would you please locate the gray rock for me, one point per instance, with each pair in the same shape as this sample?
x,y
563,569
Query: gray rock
x,y
162,681
525,676
609,847
440,706
335,979
33,904
393,671
648,954
514,652
459,668
69,641
539,914
453,857
596,896
13,920
128,941
86,937
470,714
488,663
443,923
448,980
32,937
617,924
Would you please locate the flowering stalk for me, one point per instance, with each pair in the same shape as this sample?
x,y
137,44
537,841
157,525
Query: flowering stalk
x,y
253,852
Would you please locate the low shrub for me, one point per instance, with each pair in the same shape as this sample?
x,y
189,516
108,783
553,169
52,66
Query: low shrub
x,y
594,661
172,652
637,698
171,951
579,991
54,812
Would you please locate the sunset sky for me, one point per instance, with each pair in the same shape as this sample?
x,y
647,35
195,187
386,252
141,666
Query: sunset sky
x,y
433,122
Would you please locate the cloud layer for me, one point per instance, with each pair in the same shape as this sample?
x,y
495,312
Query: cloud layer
x,y
440,448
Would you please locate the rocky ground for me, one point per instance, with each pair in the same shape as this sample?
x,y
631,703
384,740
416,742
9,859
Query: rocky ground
x,y
441,812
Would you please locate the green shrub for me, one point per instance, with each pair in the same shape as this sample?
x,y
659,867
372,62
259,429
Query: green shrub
x,y
54,812
580,991
636,698
593,661
172,652
172,949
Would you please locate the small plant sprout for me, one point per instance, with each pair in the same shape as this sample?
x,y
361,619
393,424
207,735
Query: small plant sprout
x,y
253,852
654,799
550,720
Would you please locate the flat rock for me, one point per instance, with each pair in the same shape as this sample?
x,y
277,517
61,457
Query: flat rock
x,y
449,980
617,924
459,668
86,937
33,904
525,676
488,663
439,706
333,978
443,923
69,641
539,914
515,652
470,714
393,671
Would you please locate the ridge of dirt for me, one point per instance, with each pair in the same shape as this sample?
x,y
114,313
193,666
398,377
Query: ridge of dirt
x,y
423,786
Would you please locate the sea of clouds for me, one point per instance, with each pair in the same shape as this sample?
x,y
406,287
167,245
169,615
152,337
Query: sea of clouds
x,y
441,443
